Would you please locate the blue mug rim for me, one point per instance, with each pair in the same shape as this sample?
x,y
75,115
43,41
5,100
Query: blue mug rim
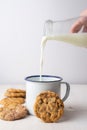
x,y
57,78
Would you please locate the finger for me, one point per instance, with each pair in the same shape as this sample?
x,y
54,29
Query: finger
x,y
76,27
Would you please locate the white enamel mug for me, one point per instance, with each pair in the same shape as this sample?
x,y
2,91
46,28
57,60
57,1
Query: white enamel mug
x,y
34,87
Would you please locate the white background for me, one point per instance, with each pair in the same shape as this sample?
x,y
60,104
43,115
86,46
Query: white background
x,y
21,30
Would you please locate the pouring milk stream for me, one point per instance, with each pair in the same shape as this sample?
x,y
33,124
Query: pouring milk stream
x,y
77,39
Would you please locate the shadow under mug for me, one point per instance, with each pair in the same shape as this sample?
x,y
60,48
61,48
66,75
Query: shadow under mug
x,y
35,85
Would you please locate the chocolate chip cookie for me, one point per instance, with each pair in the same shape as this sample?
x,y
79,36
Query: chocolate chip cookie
x,y
12,94
48,107
7,101
13,90
13,113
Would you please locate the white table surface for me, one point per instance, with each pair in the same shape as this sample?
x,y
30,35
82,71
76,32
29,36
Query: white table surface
x,y
74,118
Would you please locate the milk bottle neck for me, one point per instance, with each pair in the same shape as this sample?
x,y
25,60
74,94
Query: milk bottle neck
x,y
48,28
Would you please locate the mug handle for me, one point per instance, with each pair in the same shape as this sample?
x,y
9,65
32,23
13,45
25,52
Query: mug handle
x,y
67,90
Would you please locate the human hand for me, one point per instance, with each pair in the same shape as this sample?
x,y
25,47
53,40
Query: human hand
x,y
81,22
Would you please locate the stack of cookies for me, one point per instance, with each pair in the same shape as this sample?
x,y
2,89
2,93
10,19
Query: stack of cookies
x,y
12,108
15,93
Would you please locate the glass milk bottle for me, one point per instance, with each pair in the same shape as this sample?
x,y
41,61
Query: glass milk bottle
x,y
60,31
